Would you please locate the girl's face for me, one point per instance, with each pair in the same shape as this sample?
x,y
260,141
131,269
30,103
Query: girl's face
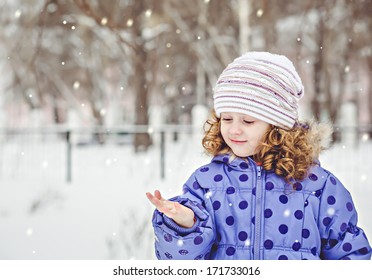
x,y
242,133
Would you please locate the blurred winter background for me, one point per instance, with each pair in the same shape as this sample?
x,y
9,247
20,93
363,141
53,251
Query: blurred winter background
x,y
101,101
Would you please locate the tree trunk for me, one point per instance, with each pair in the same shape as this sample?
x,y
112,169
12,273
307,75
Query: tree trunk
x,y
244,28
318,70
369,60
141,140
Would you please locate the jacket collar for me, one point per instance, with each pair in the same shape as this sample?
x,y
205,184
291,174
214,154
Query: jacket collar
x,y
234,162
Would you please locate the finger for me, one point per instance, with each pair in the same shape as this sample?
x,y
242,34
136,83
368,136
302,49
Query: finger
x,y
157,194
149,196
154,200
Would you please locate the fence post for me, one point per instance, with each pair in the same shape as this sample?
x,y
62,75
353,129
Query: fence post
x,y
162,154
68,157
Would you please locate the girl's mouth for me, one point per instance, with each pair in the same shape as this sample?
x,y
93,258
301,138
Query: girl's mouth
x,y
239,142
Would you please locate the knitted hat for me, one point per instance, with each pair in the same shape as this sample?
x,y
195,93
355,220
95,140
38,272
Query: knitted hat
x,y
260,84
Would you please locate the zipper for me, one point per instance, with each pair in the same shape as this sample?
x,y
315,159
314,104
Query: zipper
x,y
257,228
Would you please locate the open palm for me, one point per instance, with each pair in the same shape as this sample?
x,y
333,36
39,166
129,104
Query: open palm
x,y
182,215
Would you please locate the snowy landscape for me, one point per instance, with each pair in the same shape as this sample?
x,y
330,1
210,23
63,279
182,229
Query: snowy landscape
x,y
103,213
87,64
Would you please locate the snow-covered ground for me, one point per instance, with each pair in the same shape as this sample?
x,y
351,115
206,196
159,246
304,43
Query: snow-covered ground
x,y
103,213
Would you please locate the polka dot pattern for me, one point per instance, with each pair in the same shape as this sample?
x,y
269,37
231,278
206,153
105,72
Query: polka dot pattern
x,y
183,252
318,193
230,220
283,199
268,213
243,178
327,221
363,251
198,240
313,177
331,200
196,185
218,178
230,190
269,186
296,246
297,186
283,229
333,180
204,169
299,214
349,206
243,165
305,233
313,251
242,236
199,257
289,231
347,247
283,257
230,251
343,227
268,244
254,191
216,205
243,205
168,237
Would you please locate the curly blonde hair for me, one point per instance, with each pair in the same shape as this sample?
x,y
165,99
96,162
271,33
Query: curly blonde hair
x,y
288,153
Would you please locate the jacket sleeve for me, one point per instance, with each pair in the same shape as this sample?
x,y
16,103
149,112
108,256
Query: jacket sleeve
x,y
340,236
175,242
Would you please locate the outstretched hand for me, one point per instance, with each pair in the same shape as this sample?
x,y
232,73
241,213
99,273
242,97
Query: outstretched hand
x,y
182,215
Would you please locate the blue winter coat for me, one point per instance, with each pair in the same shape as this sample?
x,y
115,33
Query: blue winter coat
x,y
245,212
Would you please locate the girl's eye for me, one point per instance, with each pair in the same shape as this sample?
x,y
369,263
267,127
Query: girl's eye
x,y
226,119
248,122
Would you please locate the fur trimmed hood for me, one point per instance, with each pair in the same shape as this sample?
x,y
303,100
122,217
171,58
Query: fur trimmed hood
x,y
320,136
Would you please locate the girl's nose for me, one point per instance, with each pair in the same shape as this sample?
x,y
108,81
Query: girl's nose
x,y
235,129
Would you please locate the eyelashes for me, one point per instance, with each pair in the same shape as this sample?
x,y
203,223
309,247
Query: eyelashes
x,y
230,119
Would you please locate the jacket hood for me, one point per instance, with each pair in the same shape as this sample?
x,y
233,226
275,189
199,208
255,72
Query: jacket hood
x,y
319,136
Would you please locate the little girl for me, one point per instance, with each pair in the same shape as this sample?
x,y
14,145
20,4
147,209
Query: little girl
x,y
264,195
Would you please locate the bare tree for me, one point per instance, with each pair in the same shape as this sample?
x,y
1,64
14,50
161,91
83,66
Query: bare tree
x,y
119,58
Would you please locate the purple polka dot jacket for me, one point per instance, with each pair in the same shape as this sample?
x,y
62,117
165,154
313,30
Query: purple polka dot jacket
x,y
245,212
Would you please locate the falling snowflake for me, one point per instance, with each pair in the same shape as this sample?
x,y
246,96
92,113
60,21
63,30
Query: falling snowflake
x,y
287,213
148,13
331,211
129,22
17,14
29,231
104,21
76,85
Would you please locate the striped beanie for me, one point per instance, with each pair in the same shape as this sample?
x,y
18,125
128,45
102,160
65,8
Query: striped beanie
x,y
260,84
